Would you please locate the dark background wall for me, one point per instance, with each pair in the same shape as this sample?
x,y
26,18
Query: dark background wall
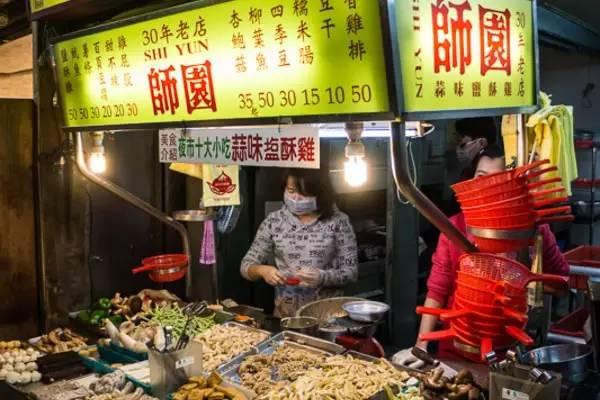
x,y
18,283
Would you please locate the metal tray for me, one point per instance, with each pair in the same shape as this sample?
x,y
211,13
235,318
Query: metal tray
x,y
248,328
229,371
306,342
249,352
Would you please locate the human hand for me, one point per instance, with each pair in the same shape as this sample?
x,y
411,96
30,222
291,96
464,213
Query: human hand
x,y
271,275
309,277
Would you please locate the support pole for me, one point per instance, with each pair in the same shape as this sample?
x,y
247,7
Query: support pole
x,y
139,203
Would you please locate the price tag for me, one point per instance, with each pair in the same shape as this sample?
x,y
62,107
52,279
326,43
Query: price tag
x,y
509,394
184,362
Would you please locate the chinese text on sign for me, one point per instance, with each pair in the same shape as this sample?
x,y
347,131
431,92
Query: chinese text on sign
x,y
233,60
466,54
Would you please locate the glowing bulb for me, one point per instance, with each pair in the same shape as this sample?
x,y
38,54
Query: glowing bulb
x,y
97,162
355,171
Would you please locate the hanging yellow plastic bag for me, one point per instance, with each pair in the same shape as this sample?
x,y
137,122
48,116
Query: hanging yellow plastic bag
x,y
221,185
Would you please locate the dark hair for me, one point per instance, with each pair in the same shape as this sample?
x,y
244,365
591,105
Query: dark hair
x,y
314,182
491,151
475,128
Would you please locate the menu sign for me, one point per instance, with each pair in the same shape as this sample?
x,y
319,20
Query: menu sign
x,y
466,54
40,5
229,61
287,147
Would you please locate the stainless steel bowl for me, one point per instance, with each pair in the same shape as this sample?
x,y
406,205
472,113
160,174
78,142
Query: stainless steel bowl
x,y
305,325
326,309
366,310
573,361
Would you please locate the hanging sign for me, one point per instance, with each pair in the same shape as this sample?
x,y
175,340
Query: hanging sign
x,y
288,147
221,185
235,60
458,55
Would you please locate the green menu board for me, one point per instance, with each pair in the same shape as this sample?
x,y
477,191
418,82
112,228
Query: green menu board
x,y
235,60
466,54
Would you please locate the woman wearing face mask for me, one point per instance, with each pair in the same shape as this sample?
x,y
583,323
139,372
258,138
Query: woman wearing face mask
x,y
473,135
309,240
441,282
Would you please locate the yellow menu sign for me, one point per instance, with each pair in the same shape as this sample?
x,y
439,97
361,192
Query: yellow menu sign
x,y
39,5
466,54
234,60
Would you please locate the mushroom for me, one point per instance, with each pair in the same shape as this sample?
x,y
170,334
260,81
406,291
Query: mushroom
x,y
464,376
434,381
53,337
461,393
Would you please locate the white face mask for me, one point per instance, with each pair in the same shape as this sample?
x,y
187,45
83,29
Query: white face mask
x,y
303,206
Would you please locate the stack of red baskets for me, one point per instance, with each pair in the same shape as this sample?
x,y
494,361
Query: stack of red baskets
x,y
490,305
502,210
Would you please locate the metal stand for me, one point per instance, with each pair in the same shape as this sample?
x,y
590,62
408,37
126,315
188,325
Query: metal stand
x,y
137,202
203,215
593,194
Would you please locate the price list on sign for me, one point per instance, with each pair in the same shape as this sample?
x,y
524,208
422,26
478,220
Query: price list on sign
x,y
233,60
466,54
288,147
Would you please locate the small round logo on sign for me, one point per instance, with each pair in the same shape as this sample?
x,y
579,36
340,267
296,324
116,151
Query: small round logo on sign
x,y
222,185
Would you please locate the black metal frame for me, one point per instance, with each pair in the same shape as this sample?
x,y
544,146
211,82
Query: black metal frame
x,y
452,114
250,121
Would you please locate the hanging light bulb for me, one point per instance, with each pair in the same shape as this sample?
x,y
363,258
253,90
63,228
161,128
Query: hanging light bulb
x,y
355,167
97,160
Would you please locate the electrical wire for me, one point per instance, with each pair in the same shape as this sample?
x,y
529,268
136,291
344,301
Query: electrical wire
x,y
412,164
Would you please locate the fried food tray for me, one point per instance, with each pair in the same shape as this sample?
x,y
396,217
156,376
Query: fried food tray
x,y
247,353
229,371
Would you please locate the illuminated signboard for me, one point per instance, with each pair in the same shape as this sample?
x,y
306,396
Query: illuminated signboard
x,y
41,5
286,147
236,60
464,55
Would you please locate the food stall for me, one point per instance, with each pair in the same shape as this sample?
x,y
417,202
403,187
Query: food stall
x,y
255,85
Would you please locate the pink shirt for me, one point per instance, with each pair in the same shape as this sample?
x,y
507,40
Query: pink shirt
x,y
441,282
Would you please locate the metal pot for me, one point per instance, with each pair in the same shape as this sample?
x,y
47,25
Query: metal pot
x,y
327,310
573,361
304,325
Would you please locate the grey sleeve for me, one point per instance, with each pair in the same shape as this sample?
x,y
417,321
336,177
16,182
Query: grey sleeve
x,y
261,249
345,265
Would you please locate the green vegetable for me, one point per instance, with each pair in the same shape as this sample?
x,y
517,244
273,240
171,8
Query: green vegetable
x,y
103,304
97,317
116,319
84,316
172,315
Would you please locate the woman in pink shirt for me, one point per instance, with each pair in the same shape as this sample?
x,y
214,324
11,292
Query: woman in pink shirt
x,y
441,283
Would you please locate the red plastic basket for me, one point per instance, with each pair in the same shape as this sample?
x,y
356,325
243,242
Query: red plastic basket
x,y
526,219
490,313
515,205
488,285
164,268
501,192
495,179
493,267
